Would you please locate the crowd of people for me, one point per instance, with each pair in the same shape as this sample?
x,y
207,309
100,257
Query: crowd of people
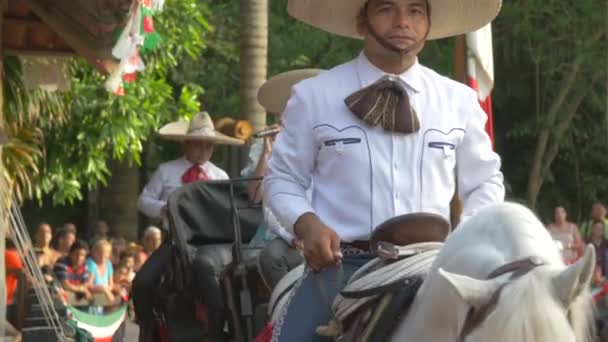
x,y
572,239
102,264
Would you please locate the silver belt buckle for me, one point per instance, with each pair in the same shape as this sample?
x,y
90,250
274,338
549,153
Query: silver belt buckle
x,y
387,250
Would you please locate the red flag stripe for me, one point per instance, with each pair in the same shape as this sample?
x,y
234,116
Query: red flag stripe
x,y
486,105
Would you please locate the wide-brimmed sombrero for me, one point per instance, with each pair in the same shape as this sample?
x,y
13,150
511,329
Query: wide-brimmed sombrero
x,y
199,128
274,94
448,17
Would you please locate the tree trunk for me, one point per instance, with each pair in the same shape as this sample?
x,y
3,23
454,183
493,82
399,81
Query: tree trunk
x,y
549,144
535,177
542,162
253,62
253,59
119,200
92,205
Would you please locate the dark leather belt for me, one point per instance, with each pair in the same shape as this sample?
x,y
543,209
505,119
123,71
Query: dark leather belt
x,y
358,244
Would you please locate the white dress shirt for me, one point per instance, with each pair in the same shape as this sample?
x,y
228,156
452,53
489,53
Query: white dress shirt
x,y
362,175
166,179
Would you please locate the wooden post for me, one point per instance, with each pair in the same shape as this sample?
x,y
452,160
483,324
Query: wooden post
x,y
119,200
4,195
460,60
460,74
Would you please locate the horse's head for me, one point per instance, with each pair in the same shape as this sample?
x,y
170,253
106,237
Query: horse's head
x,y
548,303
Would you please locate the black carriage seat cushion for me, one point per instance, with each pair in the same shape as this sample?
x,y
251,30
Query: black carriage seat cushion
x,y
200,214
220,256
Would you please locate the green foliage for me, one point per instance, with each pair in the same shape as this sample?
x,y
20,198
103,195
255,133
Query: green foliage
x,y
24,110
100,125
537,45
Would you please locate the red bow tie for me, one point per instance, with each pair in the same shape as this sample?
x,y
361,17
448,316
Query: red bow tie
x,y
194,174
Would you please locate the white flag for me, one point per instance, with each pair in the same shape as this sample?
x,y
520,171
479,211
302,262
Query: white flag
x,y
480,60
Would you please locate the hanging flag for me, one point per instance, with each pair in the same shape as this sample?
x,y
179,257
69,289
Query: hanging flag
x,y
138,36
480,70
101,327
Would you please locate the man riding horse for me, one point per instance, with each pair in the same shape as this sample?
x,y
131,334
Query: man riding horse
x,y
376,137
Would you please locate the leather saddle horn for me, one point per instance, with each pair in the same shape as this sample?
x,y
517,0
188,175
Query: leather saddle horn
x,y
408,229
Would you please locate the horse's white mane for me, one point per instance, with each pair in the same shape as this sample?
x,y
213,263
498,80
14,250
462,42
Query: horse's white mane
x,y
528,312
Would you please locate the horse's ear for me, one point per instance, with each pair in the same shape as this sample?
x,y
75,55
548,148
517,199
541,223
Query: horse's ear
x,y
571,282
474,292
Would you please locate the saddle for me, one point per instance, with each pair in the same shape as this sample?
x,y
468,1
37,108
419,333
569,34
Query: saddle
x,y
409,229
379,293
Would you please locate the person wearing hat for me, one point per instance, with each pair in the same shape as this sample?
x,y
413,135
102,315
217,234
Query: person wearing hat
x,y
376,137
198,138
279,254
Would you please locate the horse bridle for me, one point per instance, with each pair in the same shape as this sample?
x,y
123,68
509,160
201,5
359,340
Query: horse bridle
x,y
518,268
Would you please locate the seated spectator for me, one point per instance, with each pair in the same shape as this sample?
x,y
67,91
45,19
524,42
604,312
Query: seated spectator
x,y
69,226
13,265
71,270
101,270
64,238
122,283
598,213
140,256
127,258
119,245
150,242
567,233
600,243
152,239
46,255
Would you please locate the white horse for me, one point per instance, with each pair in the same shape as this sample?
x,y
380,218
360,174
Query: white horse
x,y
550,303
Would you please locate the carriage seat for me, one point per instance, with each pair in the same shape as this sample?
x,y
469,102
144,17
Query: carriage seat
x,y
220,256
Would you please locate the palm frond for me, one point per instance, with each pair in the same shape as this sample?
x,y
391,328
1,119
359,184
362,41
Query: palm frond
x,y
25,112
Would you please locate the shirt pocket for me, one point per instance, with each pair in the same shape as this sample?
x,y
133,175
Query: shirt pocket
x,y
340,144
438,163
340,149
439,149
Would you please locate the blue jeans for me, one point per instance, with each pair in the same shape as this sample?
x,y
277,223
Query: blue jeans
x,y
308,308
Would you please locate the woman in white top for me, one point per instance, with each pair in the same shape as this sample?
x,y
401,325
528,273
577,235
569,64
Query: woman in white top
x,y
567,234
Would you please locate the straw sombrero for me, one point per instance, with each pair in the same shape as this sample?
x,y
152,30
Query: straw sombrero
x,y
199,128
448,17
274,94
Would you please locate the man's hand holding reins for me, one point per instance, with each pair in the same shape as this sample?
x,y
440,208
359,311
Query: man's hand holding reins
x,y
321,243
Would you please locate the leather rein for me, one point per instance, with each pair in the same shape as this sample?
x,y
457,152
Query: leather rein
x,y
518,268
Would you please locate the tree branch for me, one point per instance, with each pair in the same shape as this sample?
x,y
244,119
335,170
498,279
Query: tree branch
x,y
541,161
570,110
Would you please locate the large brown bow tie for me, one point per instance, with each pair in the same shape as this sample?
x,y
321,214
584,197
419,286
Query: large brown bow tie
x,y
384,103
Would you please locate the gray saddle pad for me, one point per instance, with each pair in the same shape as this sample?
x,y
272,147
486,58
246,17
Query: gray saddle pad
x,y
378,275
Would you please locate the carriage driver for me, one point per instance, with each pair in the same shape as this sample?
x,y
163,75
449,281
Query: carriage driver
x,y
376,137
198,138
